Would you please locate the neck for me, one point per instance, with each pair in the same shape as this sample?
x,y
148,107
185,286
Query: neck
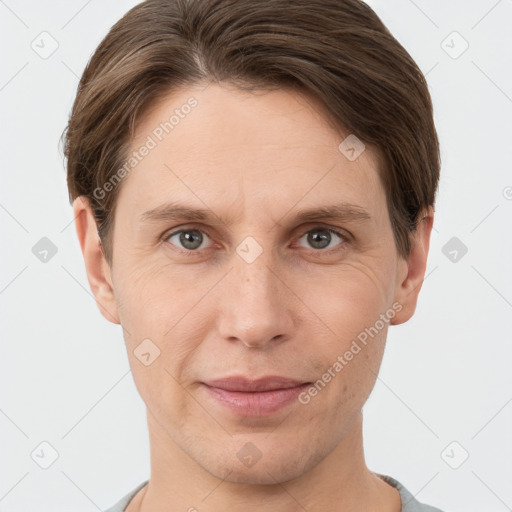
x,y
178,483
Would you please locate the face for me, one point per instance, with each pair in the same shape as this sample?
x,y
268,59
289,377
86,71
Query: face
x,y
249,285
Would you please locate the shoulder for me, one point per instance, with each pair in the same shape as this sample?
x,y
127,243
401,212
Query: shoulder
x,y
121,505
409,502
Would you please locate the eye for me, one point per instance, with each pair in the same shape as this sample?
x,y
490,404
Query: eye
x,y
192,240
188,239
321,237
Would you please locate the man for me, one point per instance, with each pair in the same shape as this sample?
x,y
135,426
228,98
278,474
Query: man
x,y
253,184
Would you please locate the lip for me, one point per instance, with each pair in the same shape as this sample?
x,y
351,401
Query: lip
x,y
258,397
243,384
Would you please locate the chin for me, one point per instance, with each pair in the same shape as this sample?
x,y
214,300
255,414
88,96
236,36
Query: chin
x,y
268,475
280,467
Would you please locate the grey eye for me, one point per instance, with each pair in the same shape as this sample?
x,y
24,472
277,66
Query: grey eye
x,y
320,238
189,239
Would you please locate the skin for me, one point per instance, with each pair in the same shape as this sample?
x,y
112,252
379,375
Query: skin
x,y
255,159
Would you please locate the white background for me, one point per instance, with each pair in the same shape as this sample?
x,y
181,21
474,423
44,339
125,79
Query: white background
x,y
446,375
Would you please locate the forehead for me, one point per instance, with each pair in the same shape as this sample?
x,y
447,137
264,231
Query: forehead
x,y
218,144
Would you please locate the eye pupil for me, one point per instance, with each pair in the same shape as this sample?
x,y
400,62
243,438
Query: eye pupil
x,y
313,238
186,238
192,239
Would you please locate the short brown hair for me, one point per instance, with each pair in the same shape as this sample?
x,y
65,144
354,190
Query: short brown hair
x,y
339,51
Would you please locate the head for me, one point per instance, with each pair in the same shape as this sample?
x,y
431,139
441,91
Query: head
x,y
253,187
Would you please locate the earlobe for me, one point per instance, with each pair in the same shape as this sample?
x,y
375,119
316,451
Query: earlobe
x,y
96,265
412,269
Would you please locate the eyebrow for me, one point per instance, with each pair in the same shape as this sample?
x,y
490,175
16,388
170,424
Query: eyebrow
x,y
177,212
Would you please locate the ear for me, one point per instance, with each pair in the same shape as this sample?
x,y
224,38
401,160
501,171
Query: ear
x,y
412,269
96,266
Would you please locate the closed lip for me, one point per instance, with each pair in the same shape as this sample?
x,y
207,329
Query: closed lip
x,y
243,384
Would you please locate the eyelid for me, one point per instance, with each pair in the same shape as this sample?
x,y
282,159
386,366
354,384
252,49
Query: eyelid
x,y
185,227
344,236
342,233
174,231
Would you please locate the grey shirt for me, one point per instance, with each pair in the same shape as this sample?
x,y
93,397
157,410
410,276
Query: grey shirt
x,y
409,502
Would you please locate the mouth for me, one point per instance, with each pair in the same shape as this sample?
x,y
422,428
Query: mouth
x,y
258,397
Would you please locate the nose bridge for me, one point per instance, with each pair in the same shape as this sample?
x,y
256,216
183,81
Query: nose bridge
x,y
256,278
254,308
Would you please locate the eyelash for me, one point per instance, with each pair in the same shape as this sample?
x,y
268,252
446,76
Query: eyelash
x,y
344,237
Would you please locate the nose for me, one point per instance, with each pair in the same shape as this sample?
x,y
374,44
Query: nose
x,y
256,306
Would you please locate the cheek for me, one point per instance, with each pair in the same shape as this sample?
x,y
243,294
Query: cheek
x,y
160,389
155,308
350,339
347,301
148,296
